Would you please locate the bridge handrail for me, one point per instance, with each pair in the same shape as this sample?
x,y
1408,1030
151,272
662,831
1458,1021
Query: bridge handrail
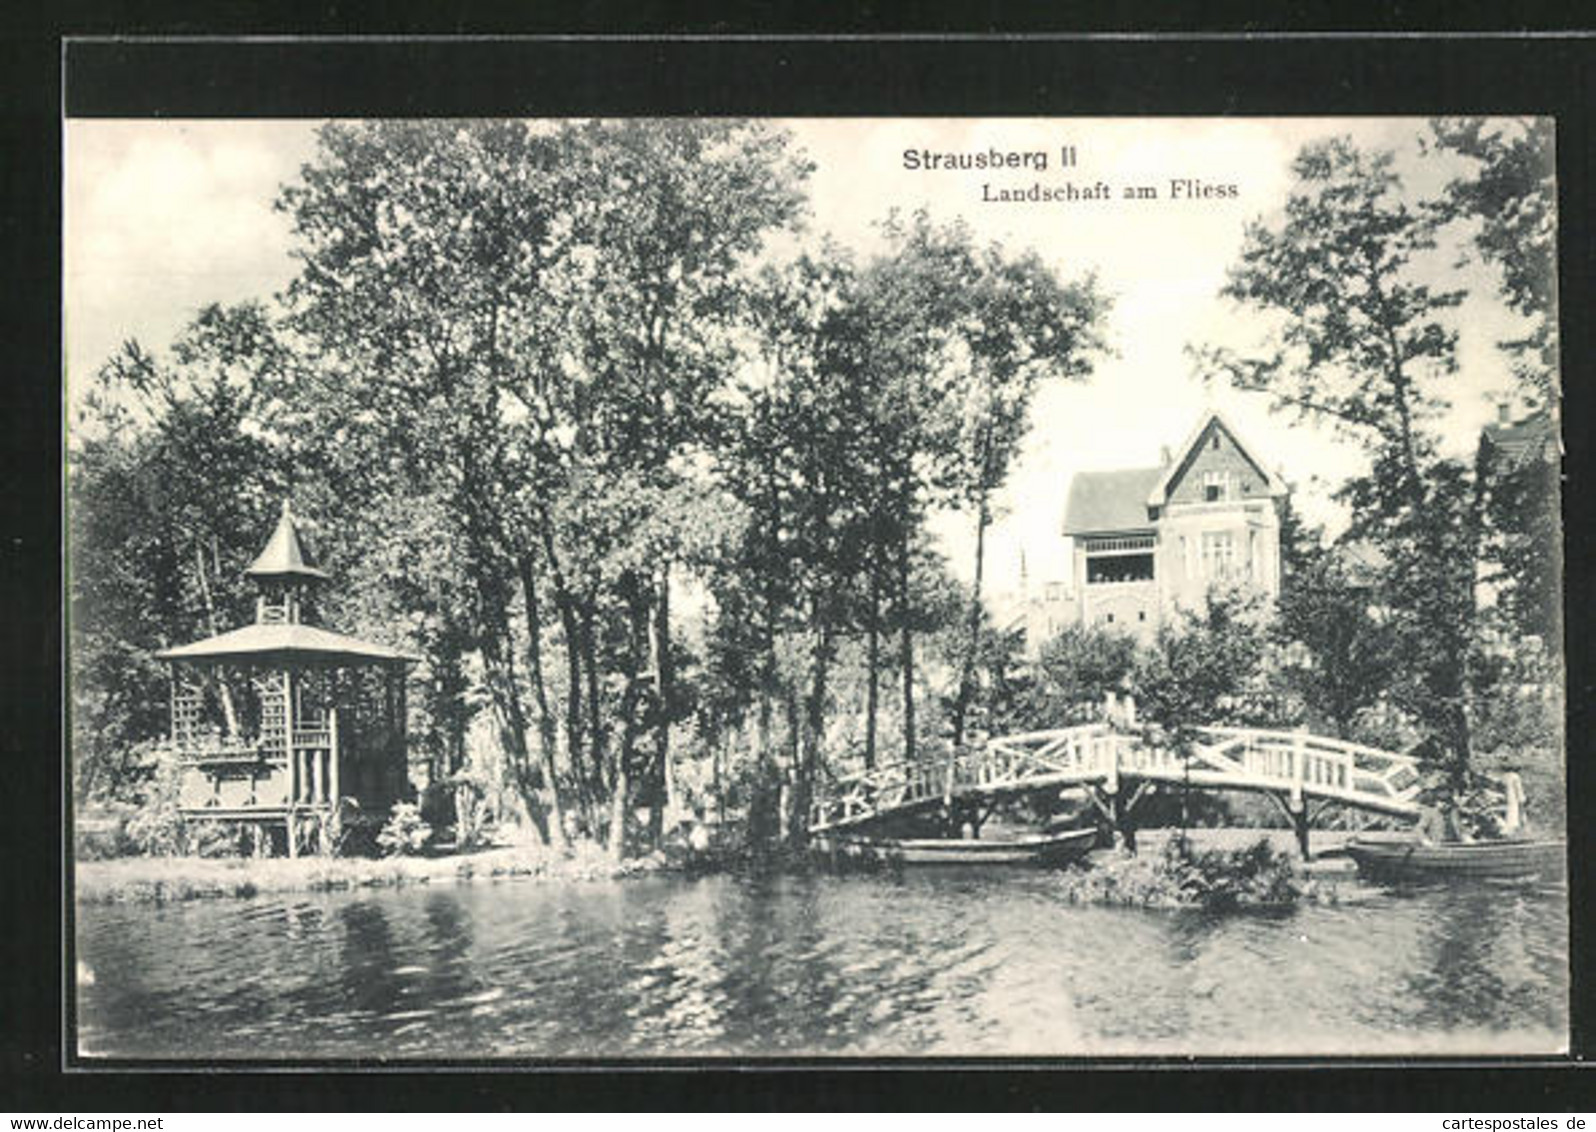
x,y
1245,756
1312,741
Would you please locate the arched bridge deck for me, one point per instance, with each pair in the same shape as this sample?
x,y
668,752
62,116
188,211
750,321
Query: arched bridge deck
x,y
1293,766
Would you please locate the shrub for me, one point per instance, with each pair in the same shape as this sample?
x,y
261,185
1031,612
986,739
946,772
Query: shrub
x,y
101,834
405,833
1218,880
156,827
209,838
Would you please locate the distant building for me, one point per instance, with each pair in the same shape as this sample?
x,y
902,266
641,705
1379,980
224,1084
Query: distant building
x,y
1148,541
1518,468
1507,445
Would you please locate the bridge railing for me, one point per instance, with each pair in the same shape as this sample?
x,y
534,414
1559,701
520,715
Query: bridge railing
x,y
1303,762
889,786
1296,763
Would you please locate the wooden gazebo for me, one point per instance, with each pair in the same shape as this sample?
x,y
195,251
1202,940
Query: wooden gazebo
x,y
281,723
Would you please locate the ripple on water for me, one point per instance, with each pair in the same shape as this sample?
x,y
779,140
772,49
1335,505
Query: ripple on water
x,y
923,963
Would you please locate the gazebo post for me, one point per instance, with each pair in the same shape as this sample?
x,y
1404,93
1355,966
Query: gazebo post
x,y
332,757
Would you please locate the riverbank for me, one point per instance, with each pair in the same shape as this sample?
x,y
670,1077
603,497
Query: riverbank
x,y
166,879
1145,880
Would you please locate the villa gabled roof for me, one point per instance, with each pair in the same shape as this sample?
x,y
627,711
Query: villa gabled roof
x,y
1110,502
285,555
1521,441
279,642
1160,492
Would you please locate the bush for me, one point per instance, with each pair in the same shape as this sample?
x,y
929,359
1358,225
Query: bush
x,y
156,827
101,834
405,832
1178,877
1221,878
210,838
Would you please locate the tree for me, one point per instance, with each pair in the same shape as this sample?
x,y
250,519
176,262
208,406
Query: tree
x,y
157,551
1017,326
1206,667
1360,343
1337,643
663,224
1511,194
1074,670
422,249
1509,201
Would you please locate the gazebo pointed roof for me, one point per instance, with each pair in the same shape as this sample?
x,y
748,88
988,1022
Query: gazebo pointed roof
x,y
285,555
286,643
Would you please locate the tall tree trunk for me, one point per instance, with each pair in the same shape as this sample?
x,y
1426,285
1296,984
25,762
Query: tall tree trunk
x,y
500,664
794,715
813,750
596,736
961,703
534,660
565,603
620,779
663,784
906,648
872,664
229,710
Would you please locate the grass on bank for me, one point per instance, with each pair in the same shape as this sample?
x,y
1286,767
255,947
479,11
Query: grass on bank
x,y
166,879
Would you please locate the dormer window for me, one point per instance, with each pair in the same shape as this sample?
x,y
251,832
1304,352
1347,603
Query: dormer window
x,y
1217,487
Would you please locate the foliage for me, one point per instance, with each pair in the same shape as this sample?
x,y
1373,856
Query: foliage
x,y
207,838
1521,520
1073,672
1337,641
1361,343
156,827
1207,665
647,476
1511,193
1180,876
404,834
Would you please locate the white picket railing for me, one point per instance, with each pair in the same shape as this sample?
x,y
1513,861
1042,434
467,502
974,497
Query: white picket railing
x,y
1295,763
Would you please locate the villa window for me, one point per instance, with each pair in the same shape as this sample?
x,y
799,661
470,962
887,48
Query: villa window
x,y
1219,555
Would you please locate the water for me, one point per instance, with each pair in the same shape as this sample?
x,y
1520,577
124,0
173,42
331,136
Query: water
x,y
929,963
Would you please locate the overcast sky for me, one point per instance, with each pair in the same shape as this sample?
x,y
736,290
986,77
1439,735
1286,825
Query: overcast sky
x,y
165,216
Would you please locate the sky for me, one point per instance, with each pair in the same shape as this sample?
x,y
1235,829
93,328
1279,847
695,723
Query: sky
x,y
163,217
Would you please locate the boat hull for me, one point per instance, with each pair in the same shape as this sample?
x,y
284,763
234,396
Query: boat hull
x,y
1480,859
1035,851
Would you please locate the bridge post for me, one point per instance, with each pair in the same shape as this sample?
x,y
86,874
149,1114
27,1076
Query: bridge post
x,y
1299,826
1122,820
1297,806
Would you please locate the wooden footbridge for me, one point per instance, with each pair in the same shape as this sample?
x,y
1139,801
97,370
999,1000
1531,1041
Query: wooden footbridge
x,y
1118,763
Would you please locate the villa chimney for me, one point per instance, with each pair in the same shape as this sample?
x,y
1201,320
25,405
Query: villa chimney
x,y
1504,413
1163,455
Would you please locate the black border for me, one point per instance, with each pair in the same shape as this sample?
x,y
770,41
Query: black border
x,y
807,74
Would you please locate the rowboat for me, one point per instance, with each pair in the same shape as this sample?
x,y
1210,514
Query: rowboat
x,y
1053,849
1415,860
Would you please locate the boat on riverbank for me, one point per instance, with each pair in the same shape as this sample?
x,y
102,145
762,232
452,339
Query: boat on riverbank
x,y
1513,858
1049,850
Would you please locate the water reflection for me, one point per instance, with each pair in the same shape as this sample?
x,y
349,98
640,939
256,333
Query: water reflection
x,y
938,963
